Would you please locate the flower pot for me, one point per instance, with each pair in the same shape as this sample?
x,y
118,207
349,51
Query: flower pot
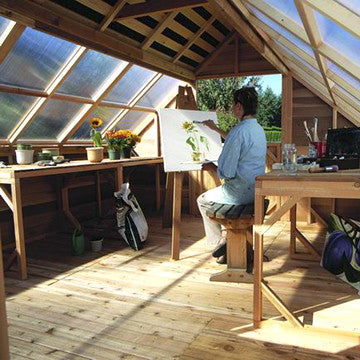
x,y
114,154
96,244
125,153
24,157
95,154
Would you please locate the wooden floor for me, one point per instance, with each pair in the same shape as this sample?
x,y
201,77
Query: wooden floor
x,y
122,304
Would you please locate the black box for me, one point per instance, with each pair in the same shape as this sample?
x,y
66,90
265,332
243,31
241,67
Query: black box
x,y
343,164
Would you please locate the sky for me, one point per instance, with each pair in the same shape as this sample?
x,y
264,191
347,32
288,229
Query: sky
x,y
273,82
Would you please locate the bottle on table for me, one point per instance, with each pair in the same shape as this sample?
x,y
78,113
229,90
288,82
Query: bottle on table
x,y
289,158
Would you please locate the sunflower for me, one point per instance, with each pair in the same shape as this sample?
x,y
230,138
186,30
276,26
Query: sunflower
x,y
95,122
188,125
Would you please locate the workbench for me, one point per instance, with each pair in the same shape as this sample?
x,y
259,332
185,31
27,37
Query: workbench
x,y
12,175
343,184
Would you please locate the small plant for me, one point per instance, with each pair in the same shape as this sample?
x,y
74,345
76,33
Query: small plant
x,y
24,147
194,140
95,135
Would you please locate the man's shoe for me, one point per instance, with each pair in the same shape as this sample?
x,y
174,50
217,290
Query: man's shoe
x,y
220,249
221,259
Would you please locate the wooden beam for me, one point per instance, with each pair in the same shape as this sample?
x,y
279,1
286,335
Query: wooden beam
x,y
6,197
8,39
102,93
109,18
309,21
286,108
64,26
239,24
55,84
334,122
154,7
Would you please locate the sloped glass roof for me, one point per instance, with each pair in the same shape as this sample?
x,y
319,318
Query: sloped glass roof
x,y
133,119
353,5
287,7
59,83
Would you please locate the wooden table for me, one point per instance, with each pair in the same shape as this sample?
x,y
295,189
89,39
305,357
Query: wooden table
x,y
343,184
12,175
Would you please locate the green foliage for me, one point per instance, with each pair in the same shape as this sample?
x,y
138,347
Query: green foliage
x,y
269,109
273,134
96,137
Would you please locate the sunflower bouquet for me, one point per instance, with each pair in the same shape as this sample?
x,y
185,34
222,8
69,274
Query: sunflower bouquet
x,y
95,134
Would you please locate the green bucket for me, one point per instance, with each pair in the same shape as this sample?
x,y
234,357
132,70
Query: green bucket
x,y
78,242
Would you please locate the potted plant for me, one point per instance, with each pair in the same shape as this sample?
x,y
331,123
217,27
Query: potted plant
x,y
194,141
95,153
114,144
24,154
96,243
129,140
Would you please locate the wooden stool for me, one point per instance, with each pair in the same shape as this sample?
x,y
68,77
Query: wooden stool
x,y
238,221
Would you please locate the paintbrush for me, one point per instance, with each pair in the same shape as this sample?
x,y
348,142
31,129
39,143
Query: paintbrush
x,y
316,137
307,132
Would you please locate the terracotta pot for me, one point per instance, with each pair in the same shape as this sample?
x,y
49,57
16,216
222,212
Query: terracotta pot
x,y
95,154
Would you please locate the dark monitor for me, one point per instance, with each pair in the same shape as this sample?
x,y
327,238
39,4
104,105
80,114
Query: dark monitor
x,y
343,142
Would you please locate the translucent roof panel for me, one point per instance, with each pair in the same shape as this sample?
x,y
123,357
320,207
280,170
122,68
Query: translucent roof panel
x,y
132,119
3,24
353,5
52,119
346,94
89,74
160,90
351,80
127,87
12,109
338,38
287,7
35,60
286,51
106,114
282,31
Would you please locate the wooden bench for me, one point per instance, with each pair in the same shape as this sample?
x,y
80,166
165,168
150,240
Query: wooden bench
x,y
238,221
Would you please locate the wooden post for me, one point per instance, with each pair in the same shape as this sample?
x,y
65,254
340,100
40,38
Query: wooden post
x,y
119,179
158,187
292,248
4,339
168,204
175,248
19,228
258,259
286,110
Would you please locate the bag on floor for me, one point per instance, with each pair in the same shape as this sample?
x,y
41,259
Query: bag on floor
x,y
131,222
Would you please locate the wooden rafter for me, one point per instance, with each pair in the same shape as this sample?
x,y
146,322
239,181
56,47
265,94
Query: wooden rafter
x,y
75,31
344,84
8,39
109,18
247,32
308,18
54,85
106,88
133,102
158,6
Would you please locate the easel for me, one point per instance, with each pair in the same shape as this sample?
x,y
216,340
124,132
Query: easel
x,y
185,100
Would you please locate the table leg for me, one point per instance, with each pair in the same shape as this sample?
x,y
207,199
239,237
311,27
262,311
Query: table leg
x,y
293,230
19,228
119,178
175,241
258,259
158,187
4,339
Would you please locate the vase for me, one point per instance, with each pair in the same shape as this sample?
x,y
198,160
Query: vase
x,y
114,154
96,244
125,153
95,154
197,156
24,157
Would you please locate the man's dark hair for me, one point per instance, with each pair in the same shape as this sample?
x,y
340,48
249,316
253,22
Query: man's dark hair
x,y
248,98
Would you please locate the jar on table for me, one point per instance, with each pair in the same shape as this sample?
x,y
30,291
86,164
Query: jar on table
x,y
289,158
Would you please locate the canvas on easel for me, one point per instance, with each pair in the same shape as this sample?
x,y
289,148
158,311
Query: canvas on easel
x,y
185,141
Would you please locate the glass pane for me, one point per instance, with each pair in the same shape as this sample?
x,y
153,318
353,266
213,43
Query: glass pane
x,y
160,90
282,31
132,119
3,24
287,7
106,114
134,80
338,38
35,60
89,74
347,96
353,5
12,110
52,119
351,80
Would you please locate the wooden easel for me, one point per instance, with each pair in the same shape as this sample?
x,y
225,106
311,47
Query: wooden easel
x,y
185,100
